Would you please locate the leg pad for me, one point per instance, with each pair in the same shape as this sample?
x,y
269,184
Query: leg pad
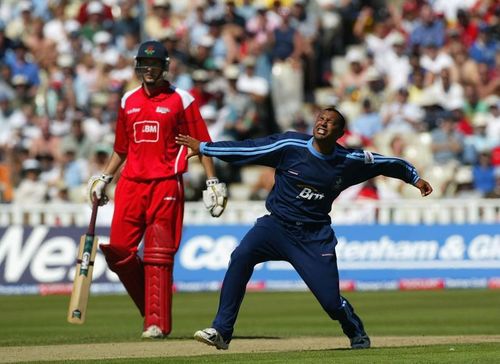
x,y
158,266
129,268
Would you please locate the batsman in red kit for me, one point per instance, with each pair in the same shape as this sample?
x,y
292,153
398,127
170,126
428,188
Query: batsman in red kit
x,y
149,196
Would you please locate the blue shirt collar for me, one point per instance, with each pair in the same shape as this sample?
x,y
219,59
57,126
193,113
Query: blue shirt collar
x,y
317,154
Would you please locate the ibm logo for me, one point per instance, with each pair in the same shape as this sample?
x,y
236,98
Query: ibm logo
x,y
309,194
146,131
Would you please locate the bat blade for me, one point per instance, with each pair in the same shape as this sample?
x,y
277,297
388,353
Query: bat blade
x,y
77,309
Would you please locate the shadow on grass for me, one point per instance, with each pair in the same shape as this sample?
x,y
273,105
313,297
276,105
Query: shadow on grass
x,y
258,337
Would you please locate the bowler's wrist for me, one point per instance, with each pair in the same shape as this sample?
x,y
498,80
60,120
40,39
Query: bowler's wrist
x,y
202,147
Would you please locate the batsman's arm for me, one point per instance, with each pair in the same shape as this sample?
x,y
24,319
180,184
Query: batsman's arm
x,y
208,166
115,162
96,188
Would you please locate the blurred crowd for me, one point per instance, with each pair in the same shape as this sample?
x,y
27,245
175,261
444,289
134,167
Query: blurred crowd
x,y
415,79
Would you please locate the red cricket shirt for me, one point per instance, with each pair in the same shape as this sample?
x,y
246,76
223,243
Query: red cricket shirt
x,y
146,128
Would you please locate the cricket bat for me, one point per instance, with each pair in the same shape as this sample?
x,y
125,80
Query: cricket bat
x,y
83,275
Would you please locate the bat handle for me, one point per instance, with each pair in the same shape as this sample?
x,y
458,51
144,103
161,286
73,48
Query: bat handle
x,y
93,217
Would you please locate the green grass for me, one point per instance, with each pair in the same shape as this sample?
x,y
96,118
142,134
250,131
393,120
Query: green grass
x,y
33,320
439,354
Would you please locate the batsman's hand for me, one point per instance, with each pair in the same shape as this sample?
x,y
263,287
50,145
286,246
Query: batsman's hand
x,y
215,197
424,187
190,142
96,189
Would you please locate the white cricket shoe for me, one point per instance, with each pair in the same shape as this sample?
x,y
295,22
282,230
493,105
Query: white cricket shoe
x,y
153,332
211,336
360,342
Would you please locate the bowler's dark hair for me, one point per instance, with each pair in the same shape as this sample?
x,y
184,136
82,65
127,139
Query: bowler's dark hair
x,y
340,117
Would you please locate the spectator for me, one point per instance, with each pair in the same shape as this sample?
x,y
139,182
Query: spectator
x,y
215,124
354,78
20,64
250,83
485,47
286,41
473,104
496,190
213,10
263,185
77,140
368,123
465,70
6,188
31,189
402,116
159,19
52,69
46,142
429,30
489,81
231,16
396,63
179,75
89,8
434,60
96,19
479,141
99,158
445,90
196,25
50,173
374,88
21,25
247,9
74,171
484,174
467,27
5,42
447,143
171,42
239,109
128,21
493,127
199,90
201,54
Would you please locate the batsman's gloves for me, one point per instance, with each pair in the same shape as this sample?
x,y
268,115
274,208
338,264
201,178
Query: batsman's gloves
x,y
97,186
215,197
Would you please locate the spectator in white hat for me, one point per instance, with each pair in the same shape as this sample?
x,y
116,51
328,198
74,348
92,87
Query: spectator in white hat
x,y
20,25
31,190
94,20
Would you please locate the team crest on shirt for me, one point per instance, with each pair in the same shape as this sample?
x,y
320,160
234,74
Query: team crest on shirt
x,y
337,184
162,110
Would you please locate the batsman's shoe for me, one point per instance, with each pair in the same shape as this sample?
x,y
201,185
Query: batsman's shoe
x,y
360,342
211,336
153,332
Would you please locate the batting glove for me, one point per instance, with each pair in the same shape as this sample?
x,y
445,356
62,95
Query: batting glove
x,y
215,197
97,186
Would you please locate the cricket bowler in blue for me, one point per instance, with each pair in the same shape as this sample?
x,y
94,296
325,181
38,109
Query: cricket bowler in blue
x,y
311,171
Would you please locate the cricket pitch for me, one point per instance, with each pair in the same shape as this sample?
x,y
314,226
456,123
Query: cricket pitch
x,y
173,348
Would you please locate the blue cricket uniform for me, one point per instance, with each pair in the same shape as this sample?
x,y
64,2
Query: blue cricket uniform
x,y
298,230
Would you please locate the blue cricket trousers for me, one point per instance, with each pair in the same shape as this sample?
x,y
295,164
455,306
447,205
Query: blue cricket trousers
x,y
309,248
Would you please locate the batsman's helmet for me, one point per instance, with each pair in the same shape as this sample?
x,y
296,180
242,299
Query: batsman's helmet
x,y
152,49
